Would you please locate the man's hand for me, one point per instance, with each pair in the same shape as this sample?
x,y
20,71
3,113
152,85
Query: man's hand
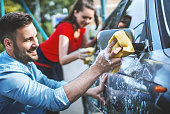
x,y
105,60
96,91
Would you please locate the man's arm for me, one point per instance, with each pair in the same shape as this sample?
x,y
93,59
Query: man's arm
x,y
104,62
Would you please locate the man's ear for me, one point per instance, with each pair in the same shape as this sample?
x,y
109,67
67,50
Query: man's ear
x,y
8,44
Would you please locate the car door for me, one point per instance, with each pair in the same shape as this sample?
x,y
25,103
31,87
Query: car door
x,y
134,88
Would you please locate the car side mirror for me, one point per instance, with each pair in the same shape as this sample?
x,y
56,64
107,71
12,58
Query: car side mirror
x,y
139,47
104,36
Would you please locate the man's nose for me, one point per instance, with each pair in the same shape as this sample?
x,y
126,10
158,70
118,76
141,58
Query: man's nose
x,y
35,42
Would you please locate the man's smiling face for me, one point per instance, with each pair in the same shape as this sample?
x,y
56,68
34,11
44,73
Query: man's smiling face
x,y
26,44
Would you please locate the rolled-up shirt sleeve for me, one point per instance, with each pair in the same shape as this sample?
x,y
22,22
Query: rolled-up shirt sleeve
x,y
23,89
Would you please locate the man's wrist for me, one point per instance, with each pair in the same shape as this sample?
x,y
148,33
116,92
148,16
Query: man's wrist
x,y
97,68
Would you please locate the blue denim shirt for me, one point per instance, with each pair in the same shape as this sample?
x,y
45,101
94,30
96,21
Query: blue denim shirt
x,y
24,89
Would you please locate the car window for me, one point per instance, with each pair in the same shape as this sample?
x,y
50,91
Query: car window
x,y
133,18
165,6
114,17
164,21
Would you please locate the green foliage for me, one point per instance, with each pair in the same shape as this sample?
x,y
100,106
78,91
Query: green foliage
x,y
1,48
11,6
50,7
65,3
48,28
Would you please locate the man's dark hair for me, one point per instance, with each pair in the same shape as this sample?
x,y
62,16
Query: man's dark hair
x,y
10,22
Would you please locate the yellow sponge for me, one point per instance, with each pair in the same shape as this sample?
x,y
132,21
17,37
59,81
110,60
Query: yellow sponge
x,y
90,52
122,41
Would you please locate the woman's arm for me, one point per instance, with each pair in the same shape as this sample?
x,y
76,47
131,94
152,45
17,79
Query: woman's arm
x,y
86,43
64,56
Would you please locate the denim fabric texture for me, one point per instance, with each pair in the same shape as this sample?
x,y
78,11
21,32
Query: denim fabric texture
x,y
24,89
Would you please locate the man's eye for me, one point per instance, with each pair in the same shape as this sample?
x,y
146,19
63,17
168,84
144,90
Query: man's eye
x,y
28,39
84,17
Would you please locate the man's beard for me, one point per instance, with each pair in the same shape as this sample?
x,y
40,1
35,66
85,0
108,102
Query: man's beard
x,y
21,55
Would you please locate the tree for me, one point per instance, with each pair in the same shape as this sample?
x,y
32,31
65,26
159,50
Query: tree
x,y
11,6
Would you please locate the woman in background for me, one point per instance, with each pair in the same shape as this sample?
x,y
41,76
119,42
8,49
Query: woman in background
x,y
66,43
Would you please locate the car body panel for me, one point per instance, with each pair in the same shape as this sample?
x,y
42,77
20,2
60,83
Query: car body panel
x,y
132,89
